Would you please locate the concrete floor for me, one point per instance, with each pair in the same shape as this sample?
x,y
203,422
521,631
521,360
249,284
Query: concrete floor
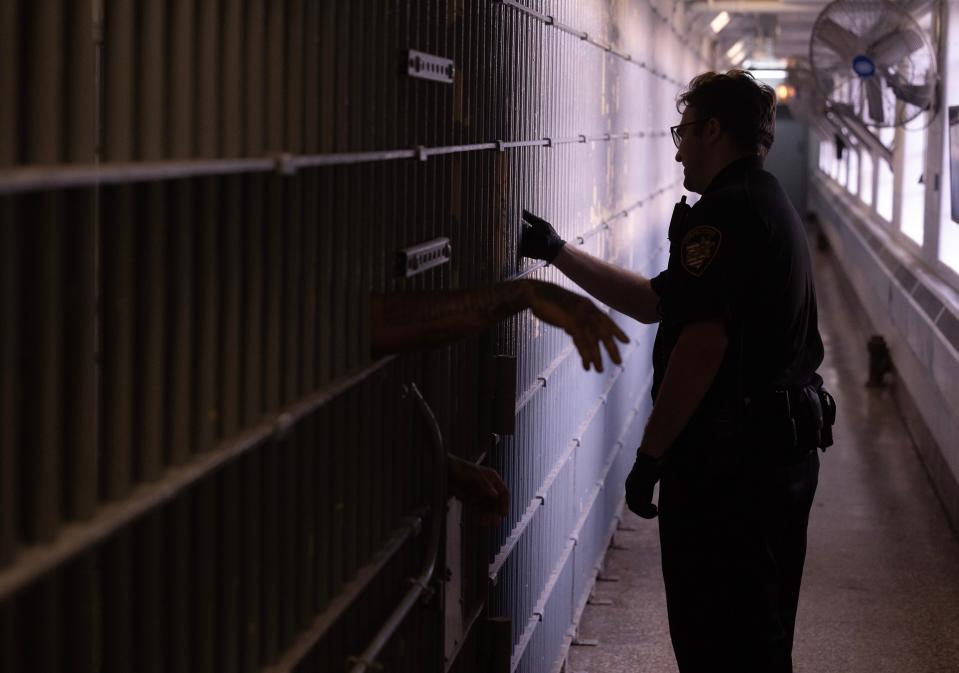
x,y
881,585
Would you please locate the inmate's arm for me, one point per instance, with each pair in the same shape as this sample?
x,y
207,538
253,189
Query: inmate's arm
x,y
627,292
692,367
405,321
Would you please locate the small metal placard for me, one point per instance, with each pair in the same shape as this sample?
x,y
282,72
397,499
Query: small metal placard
x,y
419,258
427,66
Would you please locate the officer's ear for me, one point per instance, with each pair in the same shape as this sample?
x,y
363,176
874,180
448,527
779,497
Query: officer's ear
x,y
712,130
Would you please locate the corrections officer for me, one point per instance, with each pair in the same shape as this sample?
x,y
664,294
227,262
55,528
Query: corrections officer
x,y
738,407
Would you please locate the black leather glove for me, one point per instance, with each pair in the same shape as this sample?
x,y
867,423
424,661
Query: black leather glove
x,y
639,486
540,240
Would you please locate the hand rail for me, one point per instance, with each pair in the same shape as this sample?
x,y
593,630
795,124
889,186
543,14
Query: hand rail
x,y
420,585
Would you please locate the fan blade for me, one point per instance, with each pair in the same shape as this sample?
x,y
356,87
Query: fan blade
x,y
874,98
894,46
837,38
919,95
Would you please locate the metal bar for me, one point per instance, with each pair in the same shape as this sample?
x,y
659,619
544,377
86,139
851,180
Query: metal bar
x,y
43,628
306,457
231,226
79,360
607,539
325,508
44,69
65,176
41,451
230,234
292,281
83,641
149,348
80,87
273,292
232,77
251,593
228,621
543,379
203,574
585,36
148,584
180,324
11,637
410,526
269,552
367,658
539,609
206,338
288,530
755,7
454,149
182,43
253,257
10,30
178,525
117,603
540,498
10,382
117,254
111,518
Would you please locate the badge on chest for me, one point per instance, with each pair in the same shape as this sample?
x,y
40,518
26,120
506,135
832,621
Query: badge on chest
x,y
700,247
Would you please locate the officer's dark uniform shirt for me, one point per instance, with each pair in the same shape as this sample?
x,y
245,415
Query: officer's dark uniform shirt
x,y
741,256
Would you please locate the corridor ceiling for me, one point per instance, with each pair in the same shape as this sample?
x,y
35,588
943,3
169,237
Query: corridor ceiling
x,y
770,29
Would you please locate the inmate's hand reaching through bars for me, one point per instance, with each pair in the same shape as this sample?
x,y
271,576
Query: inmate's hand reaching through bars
x,y
578,316
481,489
405,321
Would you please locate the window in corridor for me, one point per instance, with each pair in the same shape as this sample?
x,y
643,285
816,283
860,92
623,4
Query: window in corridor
x,y
913,203
843,171
884,189
831,163
825,151
865,179
948,227
852,181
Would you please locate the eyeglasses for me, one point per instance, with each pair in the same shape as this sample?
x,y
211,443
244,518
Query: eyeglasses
x,y
677,136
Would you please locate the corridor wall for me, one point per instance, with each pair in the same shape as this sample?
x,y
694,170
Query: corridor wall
x,y
201,466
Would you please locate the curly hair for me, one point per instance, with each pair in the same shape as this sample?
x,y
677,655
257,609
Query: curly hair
x,y
745,108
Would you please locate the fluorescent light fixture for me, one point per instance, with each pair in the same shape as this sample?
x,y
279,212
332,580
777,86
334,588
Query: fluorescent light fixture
x,y
735,49
769,74
767,64
720,22
739,57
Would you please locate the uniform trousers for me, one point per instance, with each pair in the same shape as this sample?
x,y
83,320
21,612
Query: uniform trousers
x,y
733,540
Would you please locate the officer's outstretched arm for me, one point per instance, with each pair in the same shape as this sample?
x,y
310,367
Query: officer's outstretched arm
x,y
405,321
692,367
627,292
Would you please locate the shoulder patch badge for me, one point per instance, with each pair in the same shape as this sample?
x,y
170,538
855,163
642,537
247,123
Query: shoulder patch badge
x,y
700,247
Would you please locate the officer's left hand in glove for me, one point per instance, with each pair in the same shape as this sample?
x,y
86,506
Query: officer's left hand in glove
x,y
639,485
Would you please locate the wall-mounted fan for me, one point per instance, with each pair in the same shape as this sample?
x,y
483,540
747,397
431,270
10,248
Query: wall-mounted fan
x,y
830,119
872,60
